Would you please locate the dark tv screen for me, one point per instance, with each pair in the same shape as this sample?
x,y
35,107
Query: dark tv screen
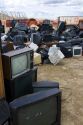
x,y
41,108
41,113
77,52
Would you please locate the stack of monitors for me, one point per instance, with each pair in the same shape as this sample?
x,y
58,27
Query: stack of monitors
x,y
18,69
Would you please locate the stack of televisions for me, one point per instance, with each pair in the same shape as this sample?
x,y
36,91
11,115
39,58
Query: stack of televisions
x,y
30,101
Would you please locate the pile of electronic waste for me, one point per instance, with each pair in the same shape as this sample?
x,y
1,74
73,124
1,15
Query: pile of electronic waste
x,y
67,38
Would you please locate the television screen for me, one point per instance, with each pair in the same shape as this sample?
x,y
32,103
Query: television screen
x,y
20,63
40,117
77,51
17,62
41,108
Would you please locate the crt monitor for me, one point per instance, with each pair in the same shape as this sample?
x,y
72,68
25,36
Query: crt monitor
x,y
77,51
4,112
36,38
41,108
17,62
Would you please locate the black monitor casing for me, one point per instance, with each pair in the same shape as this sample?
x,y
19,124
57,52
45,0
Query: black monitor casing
x,y
6,60
37,108
44,85
4,112
18,86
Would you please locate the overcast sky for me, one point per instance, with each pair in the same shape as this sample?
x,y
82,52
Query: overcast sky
x,y
44,8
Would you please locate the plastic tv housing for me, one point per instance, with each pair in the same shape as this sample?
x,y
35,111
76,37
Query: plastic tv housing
x,y
77,51
17,62
19,86
39,108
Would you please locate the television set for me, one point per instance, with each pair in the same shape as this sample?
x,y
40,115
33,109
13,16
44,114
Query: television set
x,y
35,38
40,108
44,85
77,51
19,86
34,74
4,112
17,62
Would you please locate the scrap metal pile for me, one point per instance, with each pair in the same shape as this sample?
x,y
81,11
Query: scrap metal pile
x,y
44,36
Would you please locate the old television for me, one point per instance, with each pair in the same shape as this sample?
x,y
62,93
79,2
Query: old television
x,y
17,62
19,86
35,38
77,51
40,108
44,85
34,74
4,112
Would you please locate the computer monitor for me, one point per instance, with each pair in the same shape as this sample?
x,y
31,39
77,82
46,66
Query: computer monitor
x,y
77,51
36,38
41,108
17,62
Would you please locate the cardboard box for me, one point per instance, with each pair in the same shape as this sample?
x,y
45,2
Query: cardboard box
x,y
37,58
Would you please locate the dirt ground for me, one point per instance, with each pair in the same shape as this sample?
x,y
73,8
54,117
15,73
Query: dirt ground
x,y
69,74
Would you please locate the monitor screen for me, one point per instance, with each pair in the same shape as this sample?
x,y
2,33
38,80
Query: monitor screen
x,y
40,113
20,63
17,62
41,108
77,51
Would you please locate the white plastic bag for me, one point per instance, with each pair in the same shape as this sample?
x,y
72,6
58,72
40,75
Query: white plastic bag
x,y
33,46
3,37
55,55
